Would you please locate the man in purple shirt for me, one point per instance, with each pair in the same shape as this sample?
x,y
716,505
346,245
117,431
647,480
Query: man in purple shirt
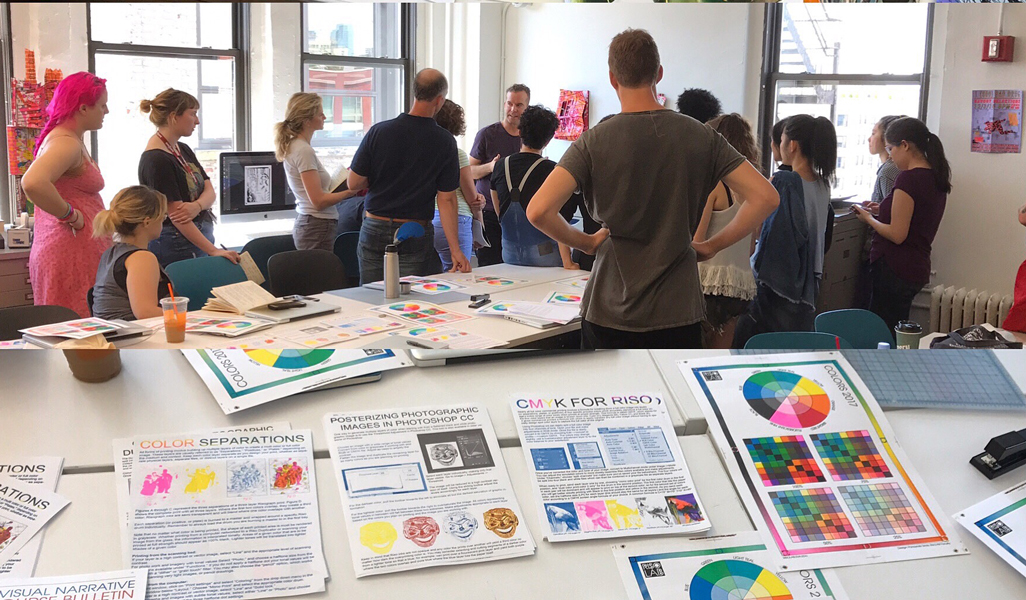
x,y
492,143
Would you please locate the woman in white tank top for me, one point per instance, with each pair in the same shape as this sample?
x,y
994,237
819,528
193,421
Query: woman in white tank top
x,y
727,279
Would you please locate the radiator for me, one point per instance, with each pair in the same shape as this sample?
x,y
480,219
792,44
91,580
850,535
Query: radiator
x,y
953,308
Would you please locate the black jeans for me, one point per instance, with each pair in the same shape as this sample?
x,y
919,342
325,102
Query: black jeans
x,y
769,312
892,296
595,337
493,232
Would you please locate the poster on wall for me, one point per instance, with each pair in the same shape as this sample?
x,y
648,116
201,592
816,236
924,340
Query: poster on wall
x,y
997,121
572,114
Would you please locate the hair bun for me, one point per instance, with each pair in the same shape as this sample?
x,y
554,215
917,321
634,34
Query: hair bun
x,y
145,105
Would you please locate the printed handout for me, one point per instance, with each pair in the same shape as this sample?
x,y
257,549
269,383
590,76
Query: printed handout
x,y
424,487
1000,523
815,461
606,465
24,509
43,471
114,585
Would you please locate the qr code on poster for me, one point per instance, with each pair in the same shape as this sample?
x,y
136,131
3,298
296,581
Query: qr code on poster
x,y
712,376
999,528
652,569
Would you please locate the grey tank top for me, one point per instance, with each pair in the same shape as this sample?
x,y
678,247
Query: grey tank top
x,y
110,299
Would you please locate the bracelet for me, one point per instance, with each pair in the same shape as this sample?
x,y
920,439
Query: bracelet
x,y
71,210
69,218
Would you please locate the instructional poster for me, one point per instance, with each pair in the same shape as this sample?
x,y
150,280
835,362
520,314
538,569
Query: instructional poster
x,y
226,515
716,568
1000,523
997,121
420,313
606,465
24,509
815,461
114,585
241,379
43,471
424,487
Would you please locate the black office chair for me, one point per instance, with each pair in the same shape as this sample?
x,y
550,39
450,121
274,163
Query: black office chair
x,y
263,248
90,299
305,272
346,247
23,317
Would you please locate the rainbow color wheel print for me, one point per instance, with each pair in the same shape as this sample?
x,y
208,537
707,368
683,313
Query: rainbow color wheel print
x,y
289,359
736,580
436,287
234,325
567,298
404,307
787,399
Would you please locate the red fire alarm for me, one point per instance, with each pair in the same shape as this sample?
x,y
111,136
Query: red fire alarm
x,y
998,48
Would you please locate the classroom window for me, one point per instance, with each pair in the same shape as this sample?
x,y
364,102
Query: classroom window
x,y
358,58
850,66
143,49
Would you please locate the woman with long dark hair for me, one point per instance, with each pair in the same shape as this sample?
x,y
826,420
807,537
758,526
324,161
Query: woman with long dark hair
x,y
903,233
788,260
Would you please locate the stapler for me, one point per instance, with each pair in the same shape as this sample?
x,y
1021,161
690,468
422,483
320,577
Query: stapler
x,y
1001,454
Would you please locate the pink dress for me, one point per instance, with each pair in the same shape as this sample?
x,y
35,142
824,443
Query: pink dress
x,y
63,265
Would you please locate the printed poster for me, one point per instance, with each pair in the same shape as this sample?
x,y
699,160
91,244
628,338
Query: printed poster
x,y
1000,523
606,465
716,568
114,585
815,461
241,379
997,121
43,471
420,313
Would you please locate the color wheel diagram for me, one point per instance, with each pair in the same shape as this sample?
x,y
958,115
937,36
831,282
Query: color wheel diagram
x,y
787,399
736,580
234,325
289,359
436,287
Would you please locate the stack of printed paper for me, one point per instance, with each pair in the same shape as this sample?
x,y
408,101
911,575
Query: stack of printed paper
x,y
42,472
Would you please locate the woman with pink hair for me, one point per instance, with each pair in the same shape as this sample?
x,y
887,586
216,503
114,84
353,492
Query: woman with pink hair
x,y
64,184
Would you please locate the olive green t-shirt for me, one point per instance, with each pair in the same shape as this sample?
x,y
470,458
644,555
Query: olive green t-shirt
x,y
646,176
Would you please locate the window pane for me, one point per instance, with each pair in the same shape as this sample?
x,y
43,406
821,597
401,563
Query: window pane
x,y
854,109
354,98
185,24
852,39
352,29
125,130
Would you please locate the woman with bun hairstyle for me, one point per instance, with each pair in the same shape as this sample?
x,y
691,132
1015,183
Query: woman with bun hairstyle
x,y
169,166
903,232
317,216
64,184
129,280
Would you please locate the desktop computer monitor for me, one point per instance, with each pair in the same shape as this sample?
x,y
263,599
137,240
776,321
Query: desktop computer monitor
x,y
254,182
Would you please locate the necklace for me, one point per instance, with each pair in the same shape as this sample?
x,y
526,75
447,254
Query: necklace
x,y
181,160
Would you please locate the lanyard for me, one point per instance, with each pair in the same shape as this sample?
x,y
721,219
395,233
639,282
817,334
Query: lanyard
x,y
181,160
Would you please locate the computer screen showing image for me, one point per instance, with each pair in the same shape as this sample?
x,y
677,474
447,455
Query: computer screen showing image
x,y
253,182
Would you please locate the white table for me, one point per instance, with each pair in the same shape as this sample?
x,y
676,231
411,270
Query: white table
x,y
47,411
538,282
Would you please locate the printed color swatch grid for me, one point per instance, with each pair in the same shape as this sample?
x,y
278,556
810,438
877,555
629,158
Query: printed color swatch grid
x,y
784,460
882,509
812,515
850,455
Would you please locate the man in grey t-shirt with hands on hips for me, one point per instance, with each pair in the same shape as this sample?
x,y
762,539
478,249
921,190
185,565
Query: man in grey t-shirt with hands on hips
x,y
645,175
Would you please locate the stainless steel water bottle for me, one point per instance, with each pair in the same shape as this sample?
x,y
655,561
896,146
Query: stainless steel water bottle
x,y
391,272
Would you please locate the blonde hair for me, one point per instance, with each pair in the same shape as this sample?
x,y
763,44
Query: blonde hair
x,y
129,208
167,103
302,107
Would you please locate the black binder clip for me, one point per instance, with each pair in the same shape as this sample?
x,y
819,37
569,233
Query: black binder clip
x,y
1002,454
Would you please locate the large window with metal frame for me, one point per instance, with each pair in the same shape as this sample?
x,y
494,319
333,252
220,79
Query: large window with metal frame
x,y
142,49
852,66
359,58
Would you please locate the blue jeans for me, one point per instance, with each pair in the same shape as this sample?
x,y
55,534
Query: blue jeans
x,y
172,246
417,256
466,237
523,244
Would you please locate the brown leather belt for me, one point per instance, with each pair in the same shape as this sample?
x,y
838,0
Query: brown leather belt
x,y
391,220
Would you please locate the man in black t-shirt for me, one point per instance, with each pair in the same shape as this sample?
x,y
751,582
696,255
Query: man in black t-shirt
x,y
405,163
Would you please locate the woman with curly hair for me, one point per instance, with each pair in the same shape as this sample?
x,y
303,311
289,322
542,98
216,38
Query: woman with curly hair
x,y
469,203
727,279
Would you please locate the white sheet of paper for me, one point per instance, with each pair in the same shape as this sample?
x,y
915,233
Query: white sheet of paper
x,y
424,487
24,509
1000,523
43,471
115,585
815,461
557,313
606,465
453,337
728,566
364,325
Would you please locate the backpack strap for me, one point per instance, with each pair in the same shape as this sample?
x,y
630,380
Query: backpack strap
x,y
516,192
